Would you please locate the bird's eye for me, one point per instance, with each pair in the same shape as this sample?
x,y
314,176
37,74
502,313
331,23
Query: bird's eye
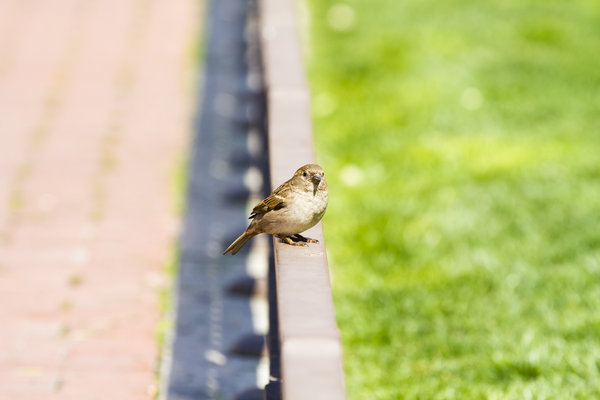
x,y
305,174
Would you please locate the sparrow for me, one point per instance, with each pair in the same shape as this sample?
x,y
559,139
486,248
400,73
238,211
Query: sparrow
x,y
295,206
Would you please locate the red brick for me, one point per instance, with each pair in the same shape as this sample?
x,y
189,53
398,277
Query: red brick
x,y
79,291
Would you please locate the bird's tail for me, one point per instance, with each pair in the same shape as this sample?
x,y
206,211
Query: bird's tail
x,y
239,243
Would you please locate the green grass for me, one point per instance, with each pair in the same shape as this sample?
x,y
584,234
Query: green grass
x,y
461,141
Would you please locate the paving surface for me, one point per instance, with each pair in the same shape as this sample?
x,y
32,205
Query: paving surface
x,y
95,110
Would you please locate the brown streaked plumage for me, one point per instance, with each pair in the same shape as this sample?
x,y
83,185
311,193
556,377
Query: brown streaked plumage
x,y
295,206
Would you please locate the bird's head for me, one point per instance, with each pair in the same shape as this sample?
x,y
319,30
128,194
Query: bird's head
x,y
312,177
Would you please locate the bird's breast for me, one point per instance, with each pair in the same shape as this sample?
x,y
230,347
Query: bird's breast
x,y
303,211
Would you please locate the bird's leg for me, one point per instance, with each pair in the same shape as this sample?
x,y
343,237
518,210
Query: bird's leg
x,y
290,241
305,239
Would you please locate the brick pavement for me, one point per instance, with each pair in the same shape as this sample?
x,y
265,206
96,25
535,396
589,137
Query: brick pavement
x,y
95,111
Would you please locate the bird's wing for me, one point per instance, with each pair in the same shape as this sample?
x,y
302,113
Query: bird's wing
x,y
275,201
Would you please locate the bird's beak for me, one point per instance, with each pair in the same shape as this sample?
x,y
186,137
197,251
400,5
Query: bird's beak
x,y
316,179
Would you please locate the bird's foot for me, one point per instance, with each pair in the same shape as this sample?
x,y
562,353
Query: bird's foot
x,y
305,239
289,240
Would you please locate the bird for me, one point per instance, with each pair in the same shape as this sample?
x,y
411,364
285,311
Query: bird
x,y
295,206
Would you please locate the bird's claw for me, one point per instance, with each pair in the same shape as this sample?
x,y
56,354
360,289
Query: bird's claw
x,y
297,240
305,239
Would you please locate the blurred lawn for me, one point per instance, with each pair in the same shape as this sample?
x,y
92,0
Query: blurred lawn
x,y
461,141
